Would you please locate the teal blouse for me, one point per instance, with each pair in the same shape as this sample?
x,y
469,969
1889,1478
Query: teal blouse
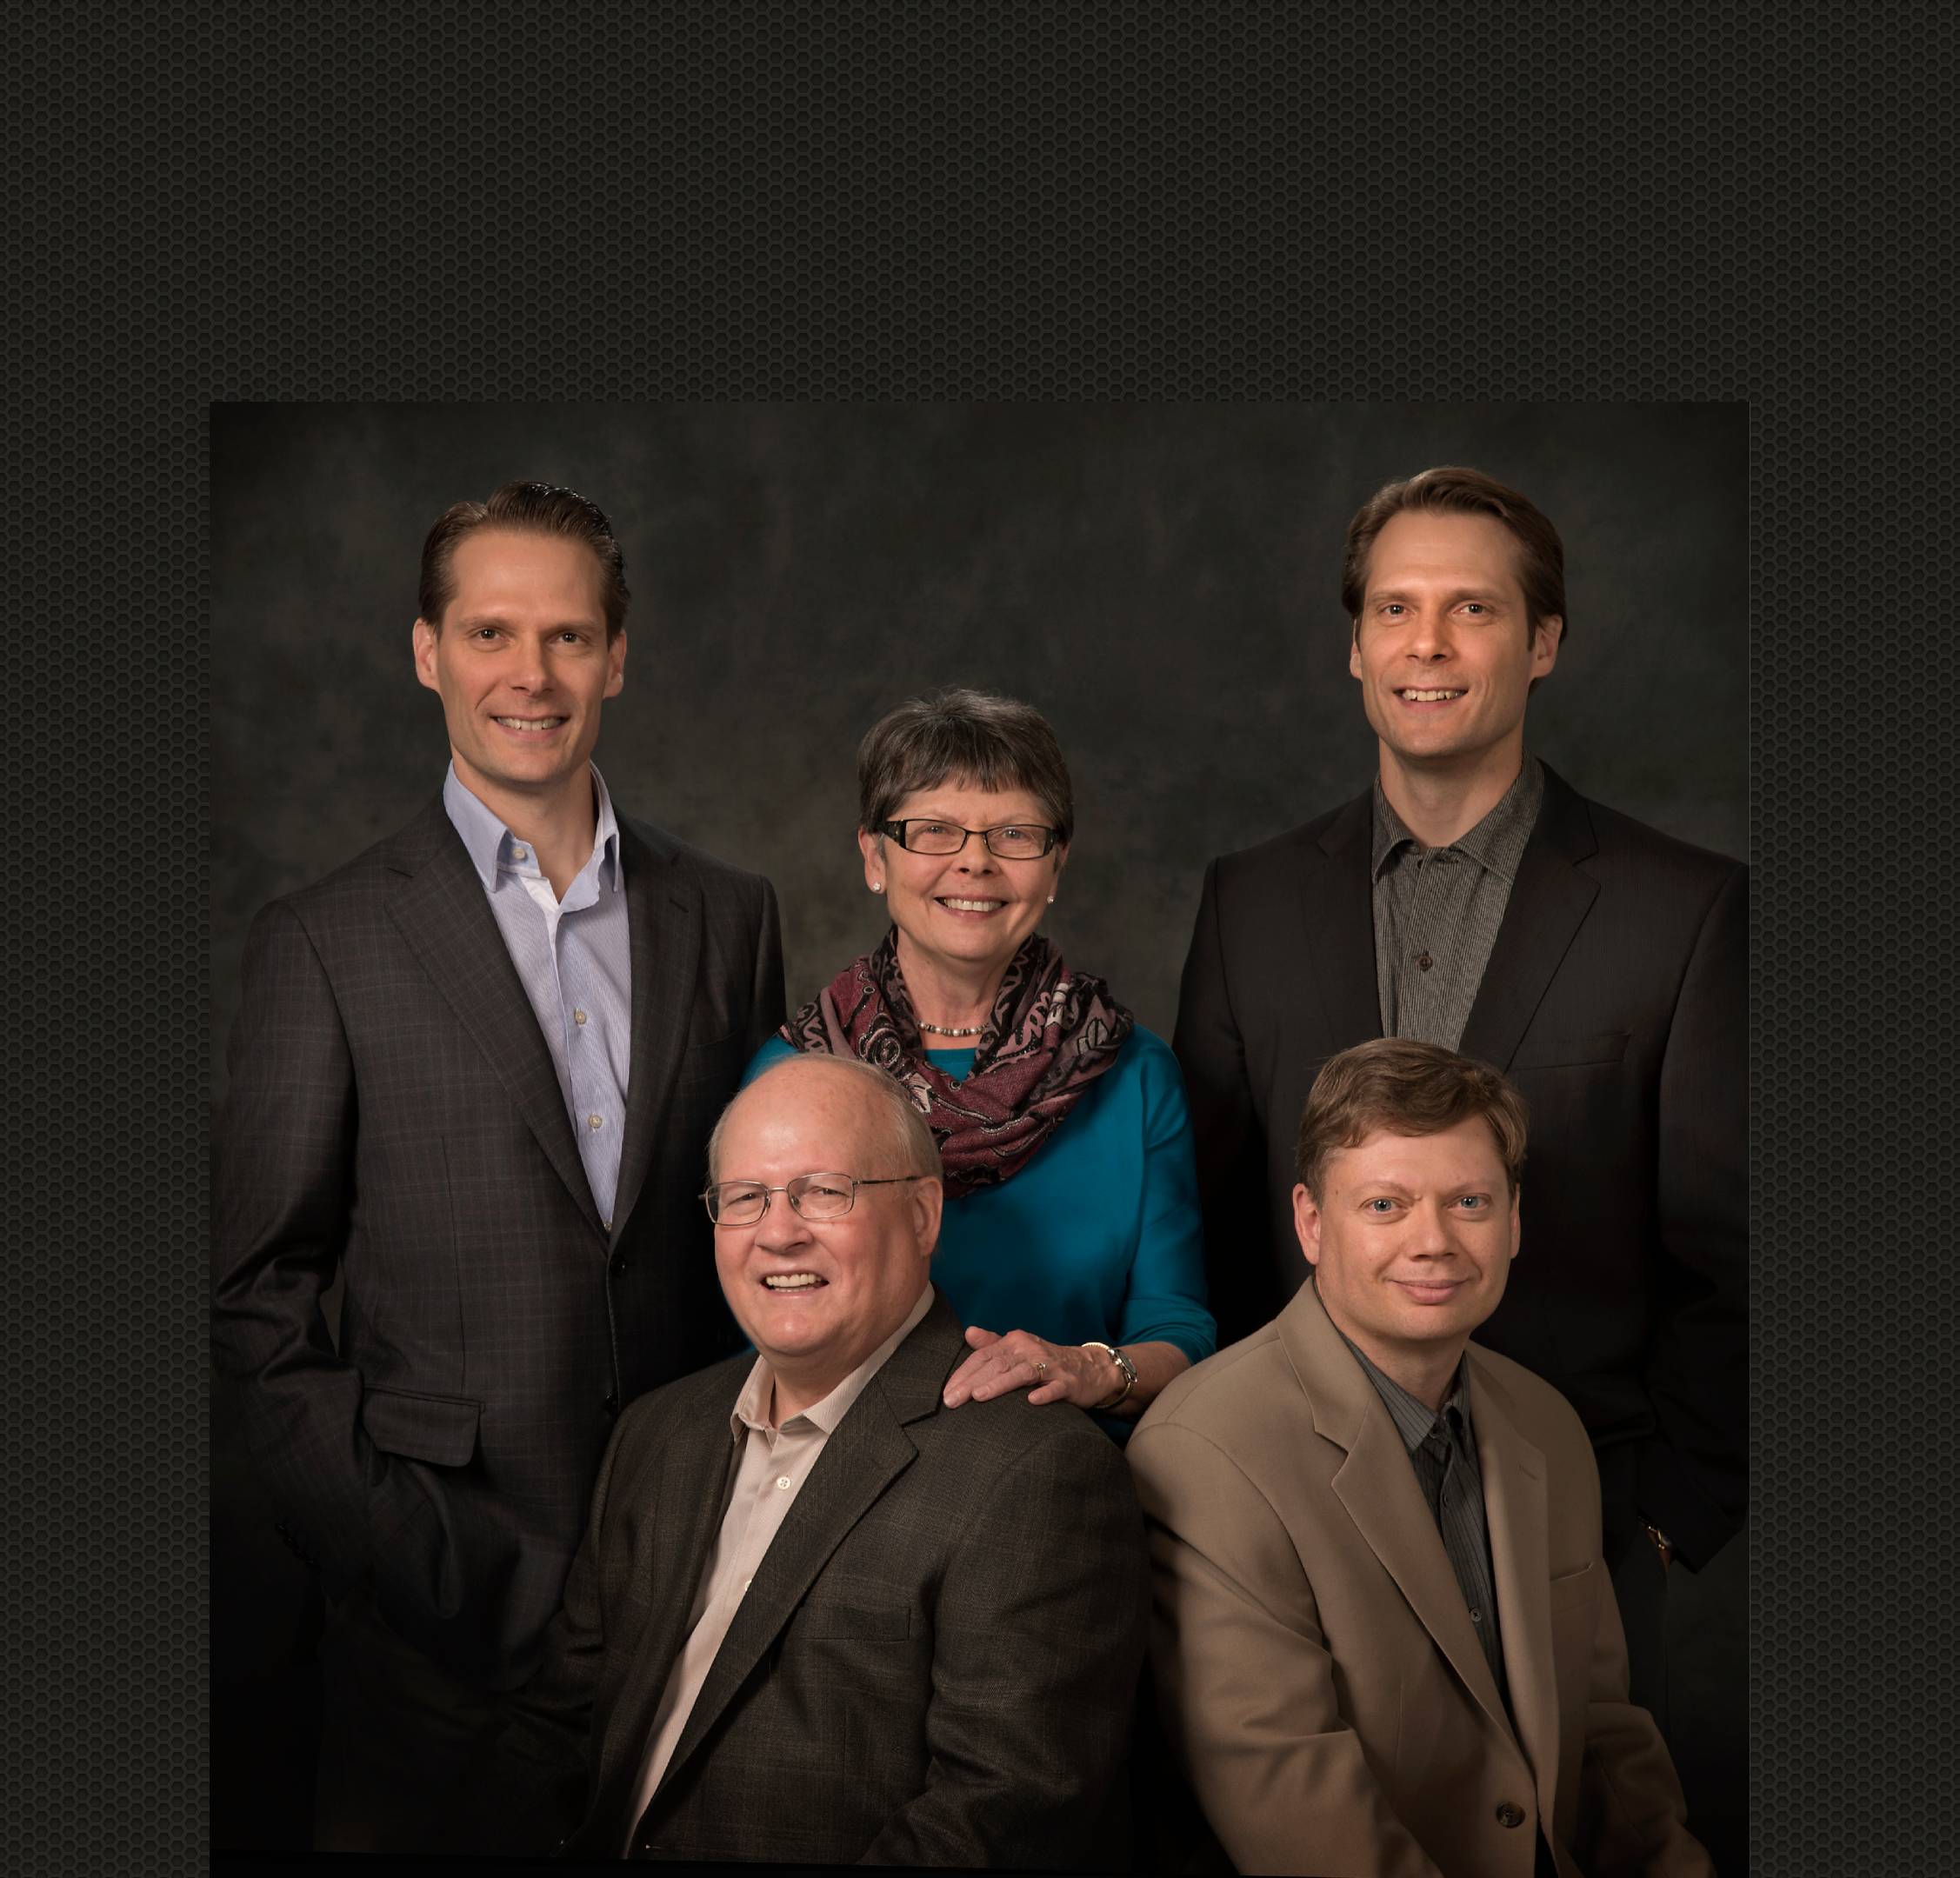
x,y
1097,1236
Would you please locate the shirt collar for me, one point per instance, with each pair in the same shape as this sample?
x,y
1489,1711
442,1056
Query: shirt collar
x,y
751,1406
1496,843
1413,1417
487,840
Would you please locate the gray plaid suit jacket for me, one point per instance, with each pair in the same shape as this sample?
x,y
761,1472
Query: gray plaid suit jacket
x,y
936,1664
394,1116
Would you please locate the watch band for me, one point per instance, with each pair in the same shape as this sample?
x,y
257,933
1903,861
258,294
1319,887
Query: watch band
x,y
1124,1363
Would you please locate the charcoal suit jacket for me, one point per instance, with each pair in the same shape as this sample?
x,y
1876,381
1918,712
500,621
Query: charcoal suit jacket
x,y
394,1118
1315,1658
1616,999
935,1664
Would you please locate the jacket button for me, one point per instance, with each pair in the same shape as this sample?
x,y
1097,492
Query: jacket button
x,y
1508,1814
619,1265
611,1403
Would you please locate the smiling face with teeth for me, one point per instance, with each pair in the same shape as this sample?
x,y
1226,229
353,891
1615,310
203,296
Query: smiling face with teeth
x,y
521,661
1443,647
961,917
815,1297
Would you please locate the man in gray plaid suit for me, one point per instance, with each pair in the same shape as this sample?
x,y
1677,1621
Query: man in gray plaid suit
x,y
819,1616
473,1075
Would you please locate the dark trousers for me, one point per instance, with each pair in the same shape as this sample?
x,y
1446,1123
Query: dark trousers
x,y
1688,1653
398,1735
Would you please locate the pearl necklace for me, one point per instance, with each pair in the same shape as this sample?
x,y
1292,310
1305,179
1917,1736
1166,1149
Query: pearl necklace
x,y
941,1029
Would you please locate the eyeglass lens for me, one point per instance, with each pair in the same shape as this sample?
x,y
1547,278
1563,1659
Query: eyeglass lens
x,y
813,1195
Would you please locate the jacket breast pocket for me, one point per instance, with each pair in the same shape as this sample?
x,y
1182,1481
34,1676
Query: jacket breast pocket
x,y
1576,1590
1570,1052
859,1622
714,1063
438,1429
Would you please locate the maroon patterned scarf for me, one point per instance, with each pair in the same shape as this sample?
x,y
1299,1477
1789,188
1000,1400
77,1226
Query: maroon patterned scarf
x,y
1050,1034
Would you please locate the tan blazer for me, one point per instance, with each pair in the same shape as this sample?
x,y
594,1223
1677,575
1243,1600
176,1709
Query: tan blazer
x,y
1319,1676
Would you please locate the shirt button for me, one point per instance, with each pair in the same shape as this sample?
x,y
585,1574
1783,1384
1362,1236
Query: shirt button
x,y
1508,1814
1424,960
1477,1617
781,1480
520,853
593,1121
578,1017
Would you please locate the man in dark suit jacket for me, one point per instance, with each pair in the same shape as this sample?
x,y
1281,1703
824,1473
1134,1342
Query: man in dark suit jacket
x,y
473,1075
1472,898
820,1617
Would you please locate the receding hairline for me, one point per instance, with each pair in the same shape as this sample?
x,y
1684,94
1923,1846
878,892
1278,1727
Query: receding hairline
x,y
893,1126
524,531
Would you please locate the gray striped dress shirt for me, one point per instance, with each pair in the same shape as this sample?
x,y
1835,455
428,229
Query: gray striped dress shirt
x,y
575,959
1441,1448
1437,911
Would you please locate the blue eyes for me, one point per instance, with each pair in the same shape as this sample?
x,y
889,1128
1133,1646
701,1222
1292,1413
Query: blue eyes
x,y
1382,1205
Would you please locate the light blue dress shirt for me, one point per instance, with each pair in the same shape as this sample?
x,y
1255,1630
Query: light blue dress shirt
x,y
1098,1236
574,957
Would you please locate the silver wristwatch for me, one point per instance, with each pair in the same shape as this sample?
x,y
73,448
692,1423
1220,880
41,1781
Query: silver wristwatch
x,y
1124,1363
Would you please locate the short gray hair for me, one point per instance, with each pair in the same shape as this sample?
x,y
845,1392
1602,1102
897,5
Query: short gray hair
x,y
975,737
903,1134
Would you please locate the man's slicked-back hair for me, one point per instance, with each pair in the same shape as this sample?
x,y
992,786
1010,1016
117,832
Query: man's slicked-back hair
x,y
904,1139
528,507
974,737
1452,489
1405,1087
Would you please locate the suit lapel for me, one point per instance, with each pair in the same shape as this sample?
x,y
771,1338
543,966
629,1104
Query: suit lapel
x,y
1377,1487
695,1464
441,911
1337,908
1549,900
664,914
1514,1505
870,1449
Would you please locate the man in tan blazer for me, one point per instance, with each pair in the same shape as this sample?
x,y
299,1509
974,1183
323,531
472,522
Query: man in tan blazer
x,y
1385,1643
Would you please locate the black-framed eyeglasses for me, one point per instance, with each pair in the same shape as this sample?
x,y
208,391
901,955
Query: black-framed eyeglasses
x,y
1012,841
741,1202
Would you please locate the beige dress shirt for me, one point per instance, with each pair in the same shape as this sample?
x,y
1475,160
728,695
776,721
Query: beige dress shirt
x,y
775,1461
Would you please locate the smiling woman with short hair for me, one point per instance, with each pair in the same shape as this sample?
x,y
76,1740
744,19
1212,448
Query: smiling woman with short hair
x,y
1070,1241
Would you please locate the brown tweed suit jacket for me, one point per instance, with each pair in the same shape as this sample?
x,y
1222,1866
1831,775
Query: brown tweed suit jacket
x,y
394,1118
1315,1658
935,1664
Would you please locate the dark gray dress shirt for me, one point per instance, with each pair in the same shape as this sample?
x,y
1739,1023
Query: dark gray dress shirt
x,y
1442,1449
1437,911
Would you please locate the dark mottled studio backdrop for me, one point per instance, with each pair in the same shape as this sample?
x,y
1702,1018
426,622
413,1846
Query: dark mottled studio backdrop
x,y
1162,581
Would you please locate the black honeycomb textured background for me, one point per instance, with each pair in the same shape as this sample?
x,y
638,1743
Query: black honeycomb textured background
x,y
896,202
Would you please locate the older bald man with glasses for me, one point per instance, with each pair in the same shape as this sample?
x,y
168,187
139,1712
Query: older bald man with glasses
x,y
819,1617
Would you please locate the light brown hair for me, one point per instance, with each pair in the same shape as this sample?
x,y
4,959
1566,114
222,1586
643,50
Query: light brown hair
x,y
1450,490
1406,1088
538,509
